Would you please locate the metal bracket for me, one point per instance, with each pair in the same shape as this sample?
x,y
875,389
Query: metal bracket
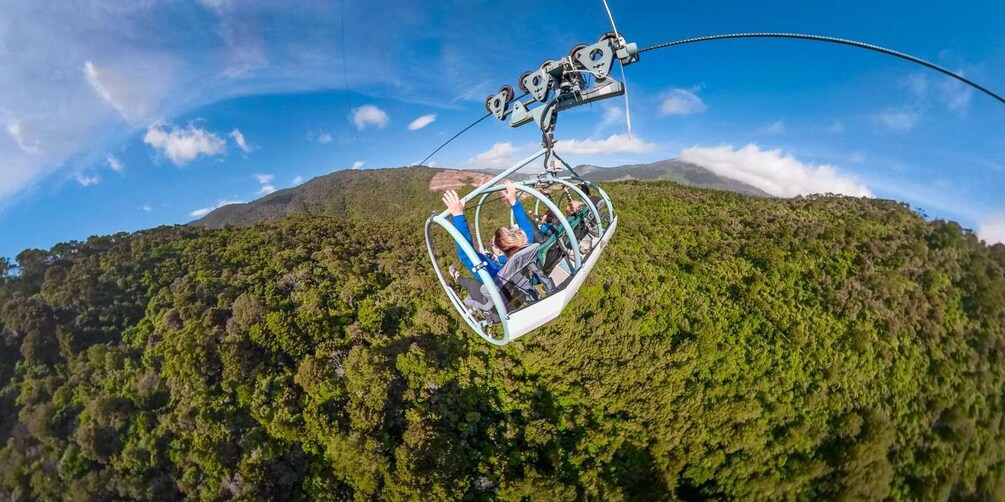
x,y
560,84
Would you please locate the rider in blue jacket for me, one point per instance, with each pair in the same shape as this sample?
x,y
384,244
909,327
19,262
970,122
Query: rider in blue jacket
x,y
504,243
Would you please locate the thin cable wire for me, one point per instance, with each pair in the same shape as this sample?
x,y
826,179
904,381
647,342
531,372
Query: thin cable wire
x,y
345,71
609,16
487,115
628,109
483,117
834,40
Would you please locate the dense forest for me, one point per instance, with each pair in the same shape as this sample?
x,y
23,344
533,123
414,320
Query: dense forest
x,y
726,347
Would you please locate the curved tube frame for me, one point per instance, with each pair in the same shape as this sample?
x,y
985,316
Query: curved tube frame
x,y
468,249
537,203
547,203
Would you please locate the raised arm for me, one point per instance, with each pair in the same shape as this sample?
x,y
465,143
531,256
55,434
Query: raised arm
x,y
455,205
519,213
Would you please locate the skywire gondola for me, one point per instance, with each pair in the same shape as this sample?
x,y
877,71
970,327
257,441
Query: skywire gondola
x,y
581,77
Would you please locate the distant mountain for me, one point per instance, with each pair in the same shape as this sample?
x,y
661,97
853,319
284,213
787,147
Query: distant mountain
x,y
373,195
682,172
367,194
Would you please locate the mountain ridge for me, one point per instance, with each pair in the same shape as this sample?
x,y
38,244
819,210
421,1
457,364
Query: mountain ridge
x,y
327,194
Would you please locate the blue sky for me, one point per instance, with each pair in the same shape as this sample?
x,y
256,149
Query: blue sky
x,y
122,117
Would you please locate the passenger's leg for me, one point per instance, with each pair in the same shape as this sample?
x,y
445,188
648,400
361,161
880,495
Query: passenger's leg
x,y
474,287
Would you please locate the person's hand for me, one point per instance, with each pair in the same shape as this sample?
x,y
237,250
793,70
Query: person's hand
x,y
454,203
510,193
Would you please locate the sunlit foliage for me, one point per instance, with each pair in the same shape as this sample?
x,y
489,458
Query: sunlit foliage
x,y
725,346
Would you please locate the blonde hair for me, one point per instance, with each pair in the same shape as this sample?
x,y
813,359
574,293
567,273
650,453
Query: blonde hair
x,y
509,239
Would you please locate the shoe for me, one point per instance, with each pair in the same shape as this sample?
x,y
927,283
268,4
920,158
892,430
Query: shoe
x,y
454,274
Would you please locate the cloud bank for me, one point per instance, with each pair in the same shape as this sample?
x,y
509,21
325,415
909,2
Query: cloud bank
x,y
500,156
776,173
615,143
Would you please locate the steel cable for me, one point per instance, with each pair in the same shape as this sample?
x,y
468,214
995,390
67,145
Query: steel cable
x,y
833,40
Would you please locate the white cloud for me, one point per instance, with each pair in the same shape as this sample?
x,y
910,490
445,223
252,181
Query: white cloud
x,y
369,115
183,145
776,173
503,155
146,208
775,128
114,163
421,122
16,131
324,138
611,116
358,164
266,181
198,213
128,98
953,94
214,4
88,180
298,180
992,228
144,66
241,142
898,120
500,156
917,84
682,102
615,143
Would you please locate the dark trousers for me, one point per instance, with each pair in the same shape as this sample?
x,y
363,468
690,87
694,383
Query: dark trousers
x,y
474,287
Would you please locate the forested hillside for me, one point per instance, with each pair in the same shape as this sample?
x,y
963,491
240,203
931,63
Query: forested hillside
x,y
725,347
402,194
374,195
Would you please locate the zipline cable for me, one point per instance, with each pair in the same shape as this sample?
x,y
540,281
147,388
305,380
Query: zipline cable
x,y
833,40
483,117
